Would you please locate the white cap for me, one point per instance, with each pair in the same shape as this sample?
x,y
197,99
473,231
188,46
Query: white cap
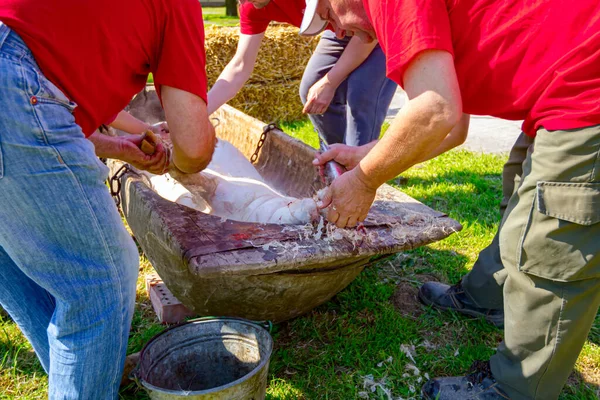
x,y
312,23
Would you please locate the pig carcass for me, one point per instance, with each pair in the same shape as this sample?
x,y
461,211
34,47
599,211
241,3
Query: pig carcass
x,y
230,187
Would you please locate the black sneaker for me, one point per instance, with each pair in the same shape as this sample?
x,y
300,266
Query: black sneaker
x,y
478,385
446,297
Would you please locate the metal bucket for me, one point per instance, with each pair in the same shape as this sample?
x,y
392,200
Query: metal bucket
x,y
214,358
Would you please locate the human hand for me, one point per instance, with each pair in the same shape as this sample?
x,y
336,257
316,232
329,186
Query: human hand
x,y
130,152
347,156
160,129
319,96
348,199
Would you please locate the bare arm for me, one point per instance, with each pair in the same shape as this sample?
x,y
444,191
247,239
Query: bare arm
x,y
128,123
456,137
320,94
236,73
192,134
350,156
354,55
126,148
433,111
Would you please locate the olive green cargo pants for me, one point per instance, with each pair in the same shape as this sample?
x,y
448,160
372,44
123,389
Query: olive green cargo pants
x,y
550,248
484,284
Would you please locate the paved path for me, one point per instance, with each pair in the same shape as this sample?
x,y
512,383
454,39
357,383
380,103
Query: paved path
x,y
486,134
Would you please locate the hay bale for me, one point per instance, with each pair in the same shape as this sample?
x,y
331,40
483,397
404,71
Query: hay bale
x,y
270,102
282,56
271,93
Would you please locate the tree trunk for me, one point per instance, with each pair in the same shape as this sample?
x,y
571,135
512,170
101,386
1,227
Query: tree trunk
x,y
231,8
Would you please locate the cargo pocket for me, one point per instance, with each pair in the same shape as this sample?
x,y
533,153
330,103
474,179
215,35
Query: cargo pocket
x,y
562,237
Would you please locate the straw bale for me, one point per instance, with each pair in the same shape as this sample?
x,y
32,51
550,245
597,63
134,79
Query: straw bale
x,y
282,56
270,102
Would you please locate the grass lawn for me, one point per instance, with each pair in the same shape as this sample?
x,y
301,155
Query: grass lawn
x,y
216,16
371,341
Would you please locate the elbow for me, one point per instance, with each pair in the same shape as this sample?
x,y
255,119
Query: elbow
x,y
195,158
451,114
241,68
194,165
444,116
460,137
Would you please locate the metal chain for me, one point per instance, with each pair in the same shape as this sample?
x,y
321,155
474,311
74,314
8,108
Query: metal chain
x,y
116,179
261,141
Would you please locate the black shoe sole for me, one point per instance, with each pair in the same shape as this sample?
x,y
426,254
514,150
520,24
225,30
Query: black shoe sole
x,y
496,321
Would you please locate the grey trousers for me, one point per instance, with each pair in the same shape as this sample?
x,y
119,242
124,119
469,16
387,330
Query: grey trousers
x,y
484,283
360,103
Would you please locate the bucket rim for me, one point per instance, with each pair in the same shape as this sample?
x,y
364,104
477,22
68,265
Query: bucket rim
x,y
203,320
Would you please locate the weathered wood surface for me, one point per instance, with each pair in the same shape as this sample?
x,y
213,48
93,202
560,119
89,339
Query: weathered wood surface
x,y
266,271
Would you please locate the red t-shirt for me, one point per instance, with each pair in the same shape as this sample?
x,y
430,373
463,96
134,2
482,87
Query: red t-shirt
x,y
535,60
100,52
256,20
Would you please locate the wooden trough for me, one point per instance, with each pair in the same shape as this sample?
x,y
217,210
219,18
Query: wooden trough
x,y
264,271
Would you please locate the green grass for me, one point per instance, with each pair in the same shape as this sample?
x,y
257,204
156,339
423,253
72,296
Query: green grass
x,y
303,130
216,16
355,342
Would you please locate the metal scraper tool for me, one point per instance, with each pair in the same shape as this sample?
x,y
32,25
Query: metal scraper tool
x,y
332,169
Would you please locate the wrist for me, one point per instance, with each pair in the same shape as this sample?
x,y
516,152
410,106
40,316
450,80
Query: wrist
x,y
331,80
364,179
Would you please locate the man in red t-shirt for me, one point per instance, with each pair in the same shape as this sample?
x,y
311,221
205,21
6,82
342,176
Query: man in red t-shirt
x,y
67,264
344,88
509,60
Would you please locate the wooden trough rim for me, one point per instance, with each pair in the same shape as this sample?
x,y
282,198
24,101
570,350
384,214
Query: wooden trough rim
x,y
213,246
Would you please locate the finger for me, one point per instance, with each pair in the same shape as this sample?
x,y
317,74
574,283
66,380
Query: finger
x,y
157,159
321,159
352,221
333,216
326,199
309,105
158,167
342,222
363,216
135,139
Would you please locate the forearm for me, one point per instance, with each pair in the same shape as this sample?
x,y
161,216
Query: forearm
x,y
191,132
236,72
229,83
456,137
354,55
106,146
128,123
417,131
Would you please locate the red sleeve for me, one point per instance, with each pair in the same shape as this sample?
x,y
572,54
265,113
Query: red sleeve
x,y
111,119
182,61
254,20
405,28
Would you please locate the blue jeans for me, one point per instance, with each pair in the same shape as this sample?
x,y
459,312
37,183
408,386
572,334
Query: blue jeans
x,y
68,267
360,103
